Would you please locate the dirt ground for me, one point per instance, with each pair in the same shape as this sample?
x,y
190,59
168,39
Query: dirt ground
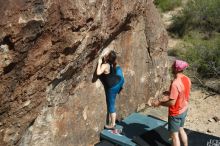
x,y
203,114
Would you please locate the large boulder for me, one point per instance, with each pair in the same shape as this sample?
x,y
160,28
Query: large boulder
x,y
49,94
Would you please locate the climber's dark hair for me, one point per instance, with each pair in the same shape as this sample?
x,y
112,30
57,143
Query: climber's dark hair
x,y
111,59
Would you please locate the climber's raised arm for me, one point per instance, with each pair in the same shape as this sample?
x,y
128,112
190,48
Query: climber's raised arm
x,y
102,67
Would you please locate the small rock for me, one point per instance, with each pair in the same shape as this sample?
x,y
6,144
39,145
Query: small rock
x,y
1,123
210,131
210,120
216,119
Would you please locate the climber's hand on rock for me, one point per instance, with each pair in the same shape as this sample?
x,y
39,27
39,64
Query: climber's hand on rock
x,y
100,61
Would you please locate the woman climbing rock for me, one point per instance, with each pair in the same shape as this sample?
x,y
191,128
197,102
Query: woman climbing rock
x,y
112,78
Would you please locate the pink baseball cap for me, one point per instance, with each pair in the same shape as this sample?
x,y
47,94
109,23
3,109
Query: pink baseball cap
x,y
180,65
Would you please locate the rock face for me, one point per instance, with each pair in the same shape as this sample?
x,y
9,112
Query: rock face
x,y
49,95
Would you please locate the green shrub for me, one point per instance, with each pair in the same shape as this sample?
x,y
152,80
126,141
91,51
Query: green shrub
x,y
172,52
197,14
166,5
202,55
199,26
175,52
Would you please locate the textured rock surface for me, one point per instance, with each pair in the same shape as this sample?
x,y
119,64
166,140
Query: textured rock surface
x,y
49,50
